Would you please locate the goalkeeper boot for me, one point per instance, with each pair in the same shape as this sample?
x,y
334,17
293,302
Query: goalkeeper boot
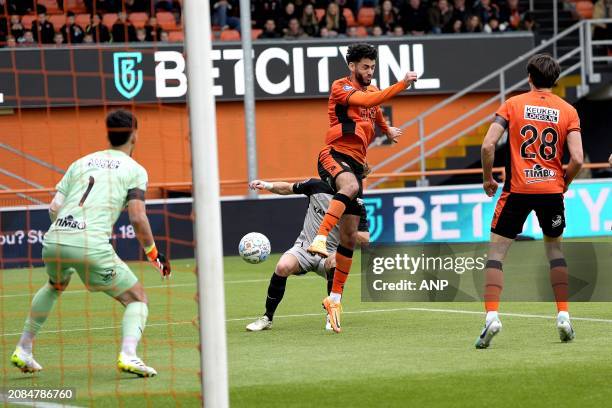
x,y
263,323
334,310
134,365
491,329
566,331
24,361
319,246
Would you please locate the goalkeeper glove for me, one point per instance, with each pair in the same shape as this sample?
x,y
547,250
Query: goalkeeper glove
x,y
159,261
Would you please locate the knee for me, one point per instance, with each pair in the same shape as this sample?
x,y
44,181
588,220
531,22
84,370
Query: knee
x,y
284,269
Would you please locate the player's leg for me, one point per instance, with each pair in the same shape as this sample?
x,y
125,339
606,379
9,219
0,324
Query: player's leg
x,y
287,265
59,277
344,260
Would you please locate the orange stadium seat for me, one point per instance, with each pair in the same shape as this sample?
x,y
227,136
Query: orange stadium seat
x,y
58,20
139,19
166,20
51,6
585,9
176,36
255,33
366,16
319,13
109,19
83,20
76,6
229,35
350,18
27,20
361,31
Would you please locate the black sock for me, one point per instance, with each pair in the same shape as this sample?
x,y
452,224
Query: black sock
x,y
276,291
330,280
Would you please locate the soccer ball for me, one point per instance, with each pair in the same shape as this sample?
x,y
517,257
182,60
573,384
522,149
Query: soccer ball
x,y
254,247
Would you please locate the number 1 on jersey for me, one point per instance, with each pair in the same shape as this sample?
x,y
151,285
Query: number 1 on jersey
x,y
87,191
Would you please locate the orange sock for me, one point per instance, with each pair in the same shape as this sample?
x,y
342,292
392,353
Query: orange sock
x,y
494,283
336,208
559,282
344,259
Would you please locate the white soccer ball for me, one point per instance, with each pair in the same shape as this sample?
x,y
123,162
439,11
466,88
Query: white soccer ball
x,y
254,247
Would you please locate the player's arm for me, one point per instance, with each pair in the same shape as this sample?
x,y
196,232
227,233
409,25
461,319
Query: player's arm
x,y
574,145
56,205
369,99
487,154
279,187
139,220
392,132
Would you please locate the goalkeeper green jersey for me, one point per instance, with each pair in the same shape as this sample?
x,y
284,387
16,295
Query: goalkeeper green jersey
x,y
96,189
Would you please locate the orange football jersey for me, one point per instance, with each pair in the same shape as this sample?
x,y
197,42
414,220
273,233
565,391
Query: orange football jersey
x,y
538,125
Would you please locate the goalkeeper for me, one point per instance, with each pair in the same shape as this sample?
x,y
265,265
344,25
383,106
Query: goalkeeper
x,y
89,199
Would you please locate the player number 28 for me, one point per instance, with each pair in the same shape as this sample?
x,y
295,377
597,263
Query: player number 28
x,y
545,153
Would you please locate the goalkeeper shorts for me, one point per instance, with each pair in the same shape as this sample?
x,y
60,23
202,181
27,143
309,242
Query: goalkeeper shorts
x,y
101,270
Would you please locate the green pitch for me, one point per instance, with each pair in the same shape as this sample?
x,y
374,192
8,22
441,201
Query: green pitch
x,y
390,354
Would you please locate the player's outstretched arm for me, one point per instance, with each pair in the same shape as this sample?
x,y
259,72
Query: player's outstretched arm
x,y
140,222
487,156
574,145
279,187
369,99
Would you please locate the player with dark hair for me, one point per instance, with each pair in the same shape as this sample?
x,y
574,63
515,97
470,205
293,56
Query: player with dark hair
x,y
298,261
539,125
89,199
353,111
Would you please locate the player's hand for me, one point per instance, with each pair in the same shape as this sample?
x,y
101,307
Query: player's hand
x,y
393,134
409,78
260,185
162,265
490,187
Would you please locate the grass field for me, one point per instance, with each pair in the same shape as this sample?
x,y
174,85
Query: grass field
x,y
390,354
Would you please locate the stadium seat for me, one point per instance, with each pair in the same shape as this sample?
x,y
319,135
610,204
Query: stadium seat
x,y
319,13
58,20
27,20
229,35
350,18
361,31
51,6
77,6
366,16
255,33
83,20
139,19
109,19
166,20
585,9
176,36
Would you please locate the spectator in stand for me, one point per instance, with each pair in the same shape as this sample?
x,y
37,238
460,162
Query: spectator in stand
x,y
357,4
386,18
324,33
351,32
42,29
511,14
16,28
486,10
164,37
457,26
440,16
152,29
58,39
137,6
309,22
72,32
287,14
398,31
460,12
473,24
102,6
123,30
4,30
333,20
528,23
414,17
98,31
377,31
28,39
264,10
603,9
494,26
11,42
269,31
141,35
19,7
294,31
88,39
224,14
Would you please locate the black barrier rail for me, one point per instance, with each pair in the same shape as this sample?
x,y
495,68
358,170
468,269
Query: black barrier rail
x,y
112,74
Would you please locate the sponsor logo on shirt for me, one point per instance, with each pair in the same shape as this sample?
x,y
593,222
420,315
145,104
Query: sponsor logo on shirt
x,y
69,222
538,174
541,114
103,163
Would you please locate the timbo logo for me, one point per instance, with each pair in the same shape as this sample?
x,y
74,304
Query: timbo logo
x,y
128,79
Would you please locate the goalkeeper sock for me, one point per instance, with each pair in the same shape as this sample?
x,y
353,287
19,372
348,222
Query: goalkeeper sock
x,y
276,291
334,212
134,320
41,306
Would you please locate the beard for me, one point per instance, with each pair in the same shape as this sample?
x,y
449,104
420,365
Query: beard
x,y
361,80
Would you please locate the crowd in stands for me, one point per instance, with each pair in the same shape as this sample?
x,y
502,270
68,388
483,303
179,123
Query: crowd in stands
x,y
57,22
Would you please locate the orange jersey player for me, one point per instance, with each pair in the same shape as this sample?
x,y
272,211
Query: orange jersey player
x,y
353,112
539,125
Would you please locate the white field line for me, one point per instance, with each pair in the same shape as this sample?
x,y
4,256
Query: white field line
x,y
400,309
